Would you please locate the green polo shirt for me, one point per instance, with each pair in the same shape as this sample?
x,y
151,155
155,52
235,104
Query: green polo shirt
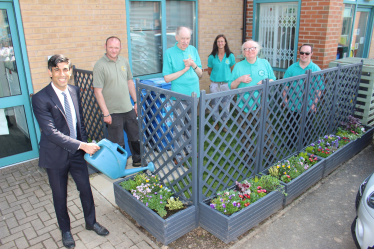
x,y
112,77
221,70
173,62
258,71
298,87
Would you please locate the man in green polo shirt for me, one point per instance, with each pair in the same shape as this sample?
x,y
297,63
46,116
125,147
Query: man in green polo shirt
x,y
182,67
112,81
294,93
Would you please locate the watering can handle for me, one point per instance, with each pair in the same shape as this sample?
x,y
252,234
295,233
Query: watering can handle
x,y
122,149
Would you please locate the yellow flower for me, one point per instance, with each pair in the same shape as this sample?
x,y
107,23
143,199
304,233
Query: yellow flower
x,y
285,173
146,180
283,166
277,166
289,167
160,186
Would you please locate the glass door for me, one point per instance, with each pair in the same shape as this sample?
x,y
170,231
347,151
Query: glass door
x,y
17,133
361,34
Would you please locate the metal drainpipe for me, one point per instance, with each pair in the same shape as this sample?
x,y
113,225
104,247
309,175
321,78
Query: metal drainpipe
x,y
244,21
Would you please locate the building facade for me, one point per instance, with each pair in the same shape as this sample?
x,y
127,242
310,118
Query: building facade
x,y
32,30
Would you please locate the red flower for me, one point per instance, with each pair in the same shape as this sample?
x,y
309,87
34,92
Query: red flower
x,y
288,176
246,204
258,187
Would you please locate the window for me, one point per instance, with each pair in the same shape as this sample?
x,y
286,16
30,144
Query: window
x,y
148,41
345,37
276,34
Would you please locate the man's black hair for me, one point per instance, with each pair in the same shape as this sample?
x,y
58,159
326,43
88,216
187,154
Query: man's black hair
x,y
58,58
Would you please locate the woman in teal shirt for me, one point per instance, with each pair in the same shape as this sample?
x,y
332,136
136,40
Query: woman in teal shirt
x,y
221,61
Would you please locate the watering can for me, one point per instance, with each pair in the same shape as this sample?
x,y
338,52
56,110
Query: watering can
x,y
111,159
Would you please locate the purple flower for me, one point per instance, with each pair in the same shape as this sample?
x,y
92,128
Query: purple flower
x,y
319,141
146,204
238,204
155,193
312,145
338,137
326,137
212,205
234,203
224,211
160,196
320,147
230,197
306,167
161,202
221,200
328,144
223,205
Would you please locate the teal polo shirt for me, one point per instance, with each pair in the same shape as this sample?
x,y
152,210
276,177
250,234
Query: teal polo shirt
x,y
298,87
259,70
173,62
221,70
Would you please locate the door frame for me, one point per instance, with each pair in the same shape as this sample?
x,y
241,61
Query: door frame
x,y
22,62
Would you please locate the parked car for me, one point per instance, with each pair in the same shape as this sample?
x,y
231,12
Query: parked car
x,y
363,225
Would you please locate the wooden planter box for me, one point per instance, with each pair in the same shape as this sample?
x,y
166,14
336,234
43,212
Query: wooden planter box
x,y
303,182
228,228
338,157
165,231
365,140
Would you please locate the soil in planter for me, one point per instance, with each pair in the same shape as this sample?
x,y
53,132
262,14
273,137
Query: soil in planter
x,y
171,212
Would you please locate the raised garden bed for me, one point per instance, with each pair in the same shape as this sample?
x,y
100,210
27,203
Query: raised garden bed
x,y
303,182
228,227
164,230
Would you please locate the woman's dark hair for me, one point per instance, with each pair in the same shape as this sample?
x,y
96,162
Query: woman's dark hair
x,y
215,47
58,58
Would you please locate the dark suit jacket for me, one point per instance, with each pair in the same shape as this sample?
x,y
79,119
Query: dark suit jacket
x,y
55,142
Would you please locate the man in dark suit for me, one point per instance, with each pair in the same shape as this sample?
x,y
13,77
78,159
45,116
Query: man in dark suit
x,y
57,107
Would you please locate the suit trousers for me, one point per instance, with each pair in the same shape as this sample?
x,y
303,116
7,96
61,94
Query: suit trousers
x,y
58,179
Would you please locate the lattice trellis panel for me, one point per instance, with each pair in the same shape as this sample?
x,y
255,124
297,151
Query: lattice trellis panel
x,y
91,110
283,120
168,132
229,156
320,105
347,88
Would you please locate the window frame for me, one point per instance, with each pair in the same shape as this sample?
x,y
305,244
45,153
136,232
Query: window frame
x,y
163,31
255,33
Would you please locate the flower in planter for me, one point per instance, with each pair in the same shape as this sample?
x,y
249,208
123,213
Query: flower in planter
x,y
245,193
352,129
296,165
149,190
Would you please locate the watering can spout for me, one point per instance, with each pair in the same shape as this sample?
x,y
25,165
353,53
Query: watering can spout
x,y
111,160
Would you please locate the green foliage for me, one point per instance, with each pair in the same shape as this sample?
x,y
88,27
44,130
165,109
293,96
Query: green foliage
x,y
327,145
249,191
150,191
174,204
293,167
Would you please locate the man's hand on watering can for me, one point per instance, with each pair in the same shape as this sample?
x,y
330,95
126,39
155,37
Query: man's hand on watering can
x,y
90,148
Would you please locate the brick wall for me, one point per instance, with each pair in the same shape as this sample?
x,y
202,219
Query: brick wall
x,y
78,29
218,17
320,25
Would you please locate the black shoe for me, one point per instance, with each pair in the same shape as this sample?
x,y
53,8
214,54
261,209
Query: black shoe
x,y
99,229
67,240
137,164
